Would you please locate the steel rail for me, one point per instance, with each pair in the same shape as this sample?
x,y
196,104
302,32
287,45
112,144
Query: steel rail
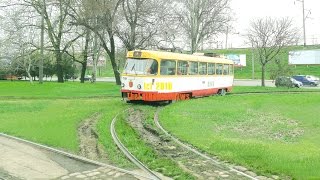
x,y
188,147
126,152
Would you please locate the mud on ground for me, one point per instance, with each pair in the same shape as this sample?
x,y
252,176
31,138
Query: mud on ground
x,y
89,145
199,167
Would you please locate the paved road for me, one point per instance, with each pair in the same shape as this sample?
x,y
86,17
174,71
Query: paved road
x,y
21,160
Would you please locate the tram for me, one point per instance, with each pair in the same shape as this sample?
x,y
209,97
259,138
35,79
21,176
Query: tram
x,y
166,76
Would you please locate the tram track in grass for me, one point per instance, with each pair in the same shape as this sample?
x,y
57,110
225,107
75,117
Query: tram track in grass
x,y
126,152
212,160
197,164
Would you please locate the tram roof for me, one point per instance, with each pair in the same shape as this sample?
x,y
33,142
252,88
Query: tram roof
x,y
174,56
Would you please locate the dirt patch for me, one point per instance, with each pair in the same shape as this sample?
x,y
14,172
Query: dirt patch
x,y
194,164
88,136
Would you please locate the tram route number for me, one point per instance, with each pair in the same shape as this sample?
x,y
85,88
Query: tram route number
x,y
159,86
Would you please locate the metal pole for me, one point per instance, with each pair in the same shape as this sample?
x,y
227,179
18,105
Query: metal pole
x,y
304,24
227,37
252,62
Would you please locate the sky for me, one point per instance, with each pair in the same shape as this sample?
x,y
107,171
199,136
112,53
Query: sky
x,y
246,10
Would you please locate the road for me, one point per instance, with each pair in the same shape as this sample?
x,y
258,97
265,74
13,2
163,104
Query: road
x,y
23,160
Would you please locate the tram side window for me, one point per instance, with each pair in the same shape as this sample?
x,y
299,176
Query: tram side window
x,y
225,69
182,68
211,68
152,67
231,69
168,67
193,68
219,69
203,68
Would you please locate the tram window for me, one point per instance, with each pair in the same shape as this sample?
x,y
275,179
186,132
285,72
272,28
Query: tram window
x,y
211,69
202,68
219,69
225,69
231,69
152,67
141,66
193,68
168,67
182,68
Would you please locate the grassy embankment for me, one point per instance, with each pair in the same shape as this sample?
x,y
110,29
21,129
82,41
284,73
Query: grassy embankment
x,y
275,134
51,114
269,133
246,72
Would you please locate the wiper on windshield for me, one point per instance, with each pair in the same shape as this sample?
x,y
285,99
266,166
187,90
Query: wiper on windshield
x,y
134,69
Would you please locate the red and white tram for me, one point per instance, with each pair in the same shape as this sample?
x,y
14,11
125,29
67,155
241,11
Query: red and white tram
x,y
166,76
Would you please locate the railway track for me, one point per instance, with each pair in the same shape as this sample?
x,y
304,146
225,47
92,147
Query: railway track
x,y
215,162
126,152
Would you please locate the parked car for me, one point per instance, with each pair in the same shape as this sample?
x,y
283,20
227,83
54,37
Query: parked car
x,y
312,78
283,81
87,78
306,81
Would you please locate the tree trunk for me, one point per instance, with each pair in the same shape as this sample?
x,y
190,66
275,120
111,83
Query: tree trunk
x,y
83,71
263,75
85,56
115,69
59,66
28,71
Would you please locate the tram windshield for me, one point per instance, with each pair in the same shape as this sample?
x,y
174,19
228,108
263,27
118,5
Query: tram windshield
x,y
141,67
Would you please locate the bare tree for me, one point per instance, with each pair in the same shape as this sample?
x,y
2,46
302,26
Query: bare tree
x,y
203,19
268,36
20,37
138,22
104,13
55,14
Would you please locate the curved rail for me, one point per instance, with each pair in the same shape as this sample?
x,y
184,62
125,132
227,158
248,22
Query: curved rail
x,y
127,153
216,163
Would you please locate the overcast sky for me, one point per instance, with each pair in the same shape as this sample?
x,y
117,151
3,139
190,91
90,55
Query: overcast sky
x,y
245,10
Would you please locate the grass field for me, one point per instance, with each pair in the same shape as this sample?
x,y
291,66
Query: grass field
x,y
51,113
246,72
23,89
270,133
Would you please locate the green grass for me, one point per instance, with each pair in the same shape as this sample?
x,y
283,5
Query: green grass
x,y
242,89
52,112
23,89
51,122
271,134
143,151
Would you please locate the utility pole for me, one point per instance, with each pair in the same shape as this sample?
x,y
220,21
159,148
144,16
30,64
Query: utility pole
x,y
252,62
227,37
303,22
304,25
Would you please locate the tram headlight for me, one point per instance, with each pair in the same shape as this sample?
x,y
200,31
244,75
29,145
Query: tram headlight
x,y
139,86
